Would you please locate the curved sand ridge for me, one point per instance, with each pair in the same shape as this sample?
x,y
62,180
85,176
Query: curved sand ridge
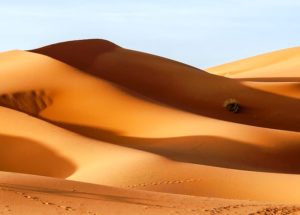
x,y
178,85
185,144
108,164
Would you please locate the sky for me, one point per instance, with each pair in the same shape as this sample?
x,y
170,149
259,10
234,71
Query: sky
x,y
201,33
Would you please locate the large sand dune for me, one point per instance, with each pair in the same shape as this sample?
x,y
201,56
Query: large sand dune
x,y
178,85
91,111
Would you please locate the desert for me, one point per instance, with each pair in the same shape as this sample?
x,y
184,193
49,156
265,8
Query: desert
x,y
89,127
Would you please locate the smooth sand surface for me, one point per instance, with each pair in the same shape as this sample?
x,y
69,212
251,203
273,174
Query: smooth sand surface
x,y
278,64
93,112
42,195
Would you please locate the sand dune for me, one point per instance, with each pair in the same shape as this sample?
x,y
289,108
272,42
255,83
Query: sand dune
x,y
276,72
165,125
95,161
279,64
179,85
288,89
91,111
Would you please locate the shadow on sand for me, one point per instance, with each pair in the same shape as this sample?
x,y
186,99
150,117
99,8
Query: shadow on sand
x,y
23,155
206,150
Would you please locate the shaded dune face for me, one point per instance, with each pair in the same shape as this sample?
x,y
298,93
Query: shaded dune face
x,y
28,156
30,102
80,54
177,84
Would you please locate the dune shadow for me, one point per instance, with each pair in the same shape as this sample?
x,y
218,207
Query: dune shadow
x,y
205,150
28,156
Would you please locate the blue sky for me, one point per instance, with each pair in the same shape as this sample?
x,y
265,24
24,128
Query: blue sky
x,y
197,32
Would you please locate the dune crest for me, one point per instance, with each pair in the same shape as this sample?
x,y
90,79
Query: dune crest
x,y
89,48
179,85
280,64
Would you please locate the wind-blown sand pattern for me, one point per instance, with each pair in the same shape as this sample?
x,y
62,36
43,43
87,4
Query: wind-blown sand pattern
x,y
31,102
116,131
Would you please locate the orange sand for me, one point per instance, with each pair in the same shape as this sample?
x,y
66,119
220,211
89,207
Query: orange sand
x,y
93,112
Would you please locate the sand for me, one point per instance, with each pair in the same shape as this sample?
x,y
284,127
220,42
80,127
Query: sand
x,y
179,85
149,134
278,65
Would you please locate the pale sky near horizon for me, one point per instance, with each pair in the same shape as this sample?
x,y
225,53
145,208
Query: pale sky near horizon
x,y
202,33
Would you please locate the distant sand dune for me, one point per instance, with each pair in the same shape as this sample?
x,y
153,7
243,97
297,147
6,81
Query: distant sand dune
x,y
288,89
276,72
278,64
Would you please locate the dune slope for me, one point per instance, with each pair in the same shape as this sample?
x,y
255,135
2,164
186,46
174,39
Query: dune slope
x,y
178,85
103,163
93,112
122,150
